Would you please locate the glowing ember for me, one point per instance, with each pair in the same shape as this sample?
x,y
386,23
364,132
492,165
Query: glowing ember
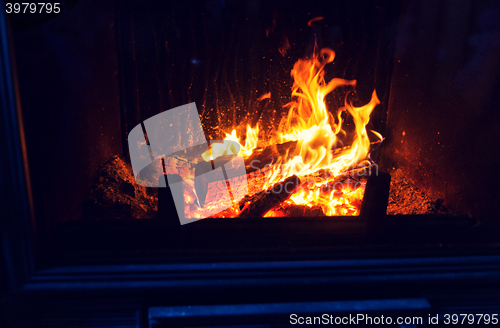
x,y
315,19
316,158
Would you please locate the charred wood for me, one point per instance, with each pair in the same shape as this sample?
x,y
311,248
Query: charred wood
x,y
261,203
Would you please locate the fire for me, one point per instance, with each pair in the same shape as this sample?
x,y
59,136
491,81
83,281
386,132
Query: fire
x,y
344,202
227,148
319,137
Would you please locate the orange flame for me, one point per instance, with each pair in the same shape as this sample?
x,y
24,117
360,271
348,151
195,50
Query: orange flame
x,y
317,133
264,96
314,128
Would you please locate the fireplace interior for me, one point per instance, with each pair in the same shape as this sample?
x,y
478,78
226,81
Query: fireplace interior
x,y
392,207
420,123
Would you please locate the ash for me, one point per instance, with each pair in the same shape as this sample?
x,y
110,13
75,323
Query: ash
x,y
405,198
115,194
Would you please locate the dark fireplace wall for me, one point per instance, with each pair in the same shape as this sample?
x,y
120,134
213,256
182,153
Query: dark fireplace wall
x,y
444,118
67,70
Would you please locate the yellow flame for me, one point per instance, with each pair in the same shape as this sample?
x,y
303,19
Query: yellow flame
x,y
227,147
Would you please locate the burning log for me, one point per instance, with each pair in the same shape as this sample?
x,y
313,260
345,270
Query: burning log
x,y
294,210
262,158
259,167
261,203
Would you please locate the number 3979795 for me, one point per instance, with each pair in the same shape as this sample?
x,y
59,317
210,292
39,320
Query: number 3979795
x,y
32,7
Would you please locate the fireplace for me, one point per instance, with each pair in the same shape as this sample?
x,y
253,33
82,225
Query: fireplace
x,y
319,96
316,94
244,93
396,167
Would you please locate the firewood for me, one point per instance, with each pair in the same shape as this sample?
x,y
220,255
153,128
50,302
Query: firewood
x,y
264,157
261,203
295,210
